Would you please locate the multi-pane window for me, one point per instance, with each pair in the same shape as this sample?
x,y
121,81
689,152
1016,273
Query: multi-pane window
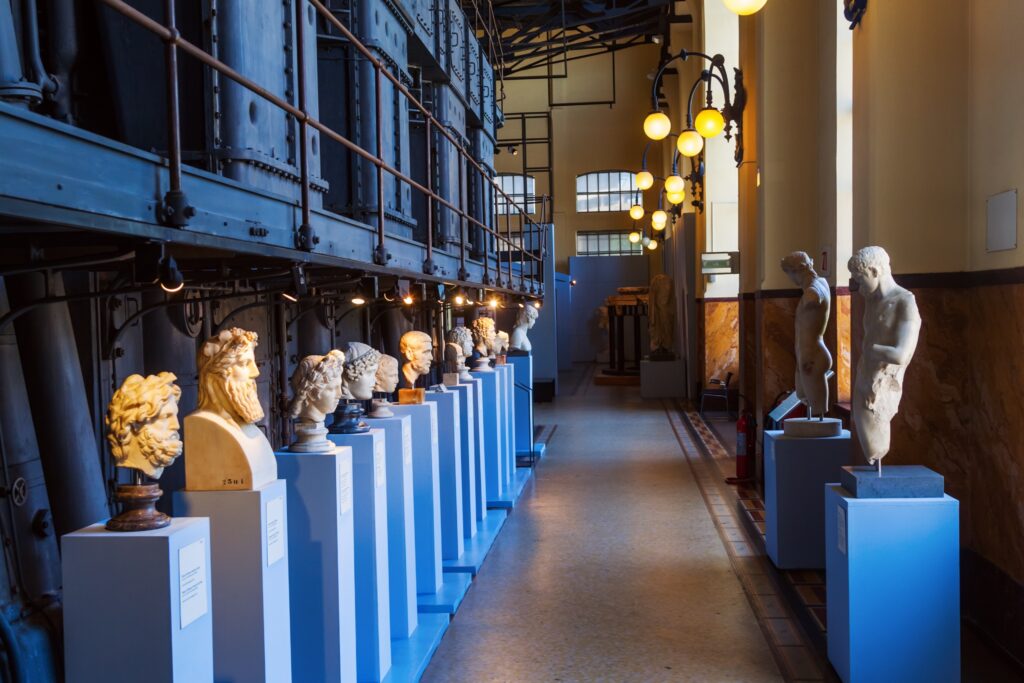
x,y
605,191
606,243
512,185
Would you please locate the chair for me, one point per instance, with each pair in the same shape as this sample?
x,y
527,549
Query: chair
x,y
720,394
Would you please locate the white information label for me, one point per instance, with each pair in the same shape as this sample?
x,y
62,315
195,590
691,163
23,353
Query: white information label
x,y
406,444
379,464
275,530
841,531
192,593
344,486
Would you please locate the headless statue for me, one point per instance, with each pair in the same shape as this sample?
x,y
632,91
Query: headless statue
x,y
813,361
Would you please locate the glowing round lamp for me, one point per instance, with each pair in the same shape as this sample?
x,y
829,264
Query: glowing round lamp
x,y
647,240
674,184
690,143
634,237
658,219
653,245
645,180
636,212
709,122
657,125
675,197
744,7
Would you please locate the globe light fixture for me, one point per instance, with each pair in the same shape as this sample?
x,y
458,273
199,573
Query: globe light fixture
x,y
675,197
690,143
636,212
674,184
657,125
658,219
653,244
644,180
634,237
709,122
744,7
646,241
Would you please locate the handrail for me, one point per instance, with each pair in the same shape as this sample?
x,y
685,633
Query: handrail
x,y
174,41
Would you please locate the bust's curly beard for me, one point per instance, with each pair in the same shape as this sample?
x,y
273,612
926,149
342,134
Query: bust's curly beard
x,y
160,452
245,400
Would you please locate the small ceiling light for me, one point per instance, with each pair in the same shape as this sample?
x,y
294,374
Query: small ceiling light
x,y
513,150
652,245
744,7
657,125
358,298
675,197
656,39
537,304
674,184
493,303
300,287
572,282
709,122
645,180
646,241
636,212
658,219
634,237
690,143
407,299
171,279
459,298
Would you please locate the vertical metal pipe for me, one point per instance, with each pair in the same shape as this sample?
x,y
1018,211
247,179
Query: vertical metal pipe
x,y
305,238
380,255
175,210
428,265
463,227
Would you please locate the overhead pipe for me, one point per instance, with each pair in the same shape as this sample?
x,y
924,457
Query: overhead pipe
x,y
62,51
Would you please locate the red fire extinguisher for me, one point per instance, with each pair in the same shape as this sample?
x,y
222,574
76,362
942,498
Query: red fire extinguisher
x,y
746,443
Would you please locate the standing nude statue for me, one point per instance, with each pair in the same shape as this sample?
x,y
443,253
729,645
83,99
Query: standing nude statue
x,y
813,361
892,324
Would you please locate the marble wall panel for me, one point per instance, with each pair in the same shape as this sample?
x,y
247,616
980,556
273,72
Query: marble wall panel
x,y
748,348
776,351
721,340
841,364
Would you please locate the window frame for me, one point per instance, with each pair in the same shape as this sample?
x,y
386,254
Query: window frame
x,y
527,199
602,191
607,243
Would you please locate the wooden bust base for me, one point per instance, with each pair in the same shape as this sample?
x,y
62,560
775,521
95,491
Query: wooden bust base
x,y
139,513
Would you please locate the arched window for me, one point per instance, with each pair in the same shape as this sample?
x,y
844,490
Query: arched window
x,y
605,191
512,185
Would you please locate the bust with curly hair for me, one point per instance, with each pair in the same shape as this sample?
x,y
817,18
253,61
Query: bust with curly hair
x,y
484,335
227,376
142,423
361,363
525,320
316,386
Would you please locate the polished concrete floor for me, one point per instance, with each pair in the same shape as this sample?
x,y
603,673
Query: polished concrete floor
x,y
610,568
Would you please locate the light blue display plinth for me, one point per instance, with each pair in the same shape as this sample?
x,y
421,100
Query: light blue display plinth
x,y
410,656
795,469
426,495
478,547
523,404
494,465
321,545
467,446
893,587
480,482
401,524
507,374
250,588
370,516
448,597
449,439
138,602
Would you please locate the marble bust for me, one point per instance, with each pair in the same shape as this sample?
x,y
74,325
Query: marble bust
x,y
662,317
142,423
813,360
501,342
458,348
316,390
360,376
418,350
483,336
892,324
525,320
387,382
224,449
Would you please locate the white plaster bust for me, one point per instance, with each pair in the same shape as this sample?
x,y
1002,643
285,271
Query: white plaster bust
x,y
142,423
418,350
661,314
387,382
525,320
224,449
483,336
361,363
892,324
501,342
813,360
316,390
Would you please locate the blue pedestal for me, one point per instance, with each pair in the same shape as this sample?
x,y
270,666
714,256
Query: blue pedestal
x,y
448,597
902,481
250,588
795,469
467,446
370,516
480,482
523,404
321,545
893,590
138,602
506,374
410,656
426,495
401,524
449,439
494,466
478,547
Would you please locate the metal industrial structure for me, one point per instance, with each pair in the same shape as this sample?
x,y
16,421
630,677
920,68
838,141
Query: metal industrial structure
x,y
171,168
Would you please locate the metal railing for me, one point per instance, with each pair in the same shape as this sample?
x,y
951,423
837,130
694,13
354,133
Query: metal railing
x,y
177,211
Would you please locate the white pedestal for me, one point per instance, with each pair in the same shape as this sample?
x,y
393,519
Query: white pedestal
x,y
322,569
370,506
662,379
249,555
426,494
449,452
480,482
467,446
401,523
138,602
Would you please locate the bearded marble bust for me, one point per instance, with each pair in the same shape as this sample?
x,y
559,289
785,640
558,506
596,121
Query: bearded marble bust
x,y
316,389
418,350
525,320
360,375
224,449
142,423
458,347
387,382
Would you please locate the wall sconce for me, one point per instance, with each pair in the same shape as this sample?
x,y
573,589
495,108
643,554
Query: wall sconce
x,y
744,7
